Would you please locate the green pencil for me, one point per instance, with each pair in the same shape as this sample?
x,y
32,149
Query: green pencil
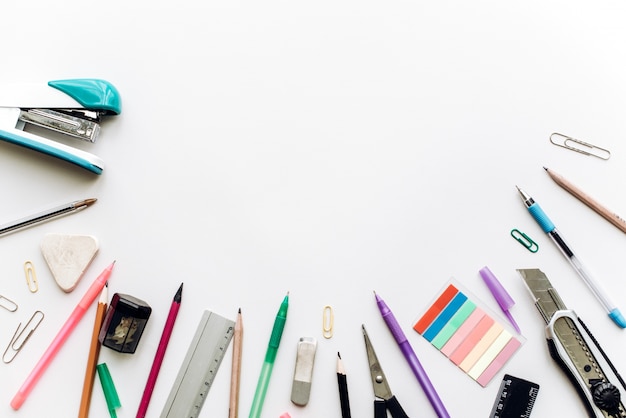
x,y
270,357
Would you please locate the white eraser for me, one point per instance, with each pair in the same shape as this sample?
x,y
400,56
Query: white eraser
x,y
68,256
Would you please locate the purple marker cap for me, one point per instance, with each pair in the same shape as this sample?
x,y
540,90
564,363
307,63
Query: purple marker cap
x,y
503,298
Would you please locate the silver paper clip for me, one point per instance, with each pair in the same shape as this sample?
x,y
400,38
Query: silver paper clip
x,y
19,339
7,304
579,146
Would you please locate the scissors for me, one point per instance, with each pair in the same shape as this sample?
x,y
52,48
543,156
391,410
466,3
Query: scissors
x,y
384,399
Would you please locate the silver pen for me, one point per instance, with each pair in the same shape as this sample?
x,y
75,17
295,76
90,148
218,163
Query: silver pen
x,y
46,215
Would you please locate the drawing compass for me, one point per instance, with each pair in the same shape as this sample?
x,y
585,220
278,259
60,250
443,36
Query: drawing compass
x,y
576,351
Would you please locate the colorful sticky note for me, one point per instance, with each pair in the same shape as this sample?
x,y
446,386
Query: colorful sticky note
x,y
472,337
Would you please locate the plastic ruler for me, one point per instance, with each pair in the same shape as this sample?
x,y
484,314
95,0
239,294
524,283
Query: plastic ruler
x,y
196,374
516,398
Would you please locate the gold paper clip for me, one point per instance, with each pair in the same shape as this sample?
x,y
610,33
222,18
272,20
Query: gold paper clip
x,y
525,240
17,342
328,319
7,304
31,276
582,147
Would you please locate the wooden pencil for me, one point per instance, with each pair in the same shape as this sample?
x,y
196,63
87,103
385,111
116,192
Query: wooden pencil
x,y
94,351
168,328
235,375
342,383
612,217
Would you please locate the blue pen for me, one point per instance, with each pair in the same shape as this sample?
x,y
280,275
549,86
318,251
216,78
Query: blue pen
x,y
548,227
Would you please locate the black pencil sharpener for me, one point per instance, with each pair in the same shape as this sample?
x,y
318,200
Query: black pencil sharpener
x,y
124,323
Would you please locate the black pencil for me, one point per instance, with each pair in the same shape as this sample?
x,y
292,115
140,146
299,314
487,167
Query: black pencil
x,y
343,388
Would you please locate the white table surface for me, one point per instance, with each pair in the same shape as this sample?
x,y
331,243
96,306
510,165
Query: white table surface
x,y
327,149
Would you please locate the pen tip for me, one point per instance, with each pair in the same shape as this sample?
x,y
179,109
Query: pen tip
x,y
239,311
545,168
88,202
338,355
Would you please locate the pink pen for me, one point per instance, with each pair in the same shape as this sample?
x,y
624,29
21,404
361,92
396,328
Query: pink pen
x,y
93,291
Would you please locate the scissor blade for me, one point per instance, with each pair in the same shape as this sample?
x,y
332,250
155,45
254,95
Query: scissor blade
x,y
379,381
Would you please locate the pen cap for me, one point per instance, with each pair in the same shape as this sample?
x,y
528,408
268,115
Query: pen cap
x,y
110,394
499,292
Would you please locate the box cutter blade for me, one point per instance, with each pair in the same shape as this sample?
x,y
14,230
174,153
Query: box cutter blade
x,y
575,350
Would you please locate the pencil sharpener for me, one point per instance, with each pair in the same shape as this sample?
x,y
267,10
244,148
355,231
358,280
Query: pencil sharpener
x,y
124,323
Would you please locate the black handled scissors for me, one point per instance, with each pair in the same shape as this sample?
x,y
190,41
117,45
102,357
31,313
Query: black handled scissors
x,y
384,399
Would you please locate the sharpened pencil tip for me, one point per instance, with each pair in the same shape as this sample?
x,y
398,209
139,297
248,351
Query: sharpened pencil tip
x,y
340,369
178,297
104,294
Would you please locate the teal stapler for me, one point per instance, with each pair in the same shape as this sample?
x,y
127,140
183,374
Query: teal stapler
x,y
71,107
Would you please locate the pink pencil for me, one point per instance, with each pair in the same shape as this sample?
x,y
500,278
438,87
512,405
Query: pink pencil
x,y
34,376
160,353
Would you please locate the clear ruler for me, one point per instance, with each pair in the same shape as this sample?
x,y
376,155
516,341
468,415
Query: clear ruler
x,y
199,367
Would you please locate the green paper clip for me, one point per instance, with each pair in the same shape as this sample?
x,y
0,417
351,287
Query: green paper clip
x,y
525,240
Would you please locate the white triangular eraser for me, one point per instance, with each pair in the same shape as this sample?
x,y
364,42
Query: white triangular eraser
x,y
68,256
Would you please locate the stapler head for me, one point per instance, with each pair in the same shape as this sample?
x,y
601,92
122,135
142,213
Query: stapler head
x,y
70,107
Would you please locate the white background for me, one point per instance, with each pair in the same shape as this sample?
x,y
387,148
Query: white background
x,y
328,149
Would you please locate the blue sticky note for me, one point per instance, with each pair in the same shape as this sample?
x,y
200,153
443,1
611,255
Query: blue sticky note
x,y
445,316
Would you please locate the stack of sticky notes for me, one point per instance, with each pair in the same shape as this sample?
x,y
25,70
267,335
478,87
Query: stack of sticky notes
x,y
477,341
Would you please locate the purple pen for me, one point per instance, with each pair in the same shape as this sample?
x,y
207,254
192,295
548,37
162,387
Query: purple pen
x,y
411,358
503,298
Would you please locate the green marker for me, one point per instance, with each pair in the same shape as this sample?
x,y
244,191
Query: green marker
x,y
110,394
270,357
